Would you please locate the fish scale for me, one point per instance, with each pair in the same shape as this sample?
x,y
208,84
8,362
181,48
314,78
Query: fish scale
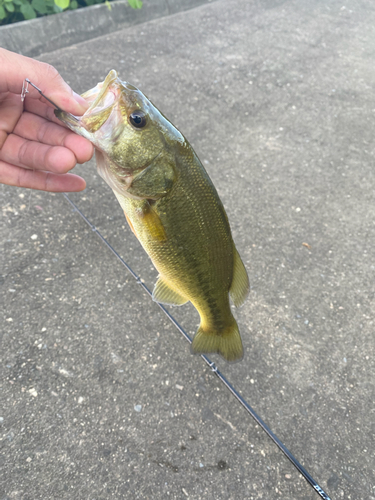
x,y
172,207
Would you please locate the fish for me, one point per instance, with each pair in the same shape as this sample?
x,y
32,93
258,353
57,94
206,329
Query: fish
x,y
171,206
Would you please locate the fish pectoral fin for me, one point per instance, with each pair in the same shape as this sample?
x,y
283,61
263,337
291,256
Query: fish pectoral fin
x,y
156,180
151,222
164,294
240,286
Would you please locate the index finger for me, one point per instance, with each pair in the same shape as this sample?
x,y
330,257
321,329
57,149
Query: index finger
x,y
14,68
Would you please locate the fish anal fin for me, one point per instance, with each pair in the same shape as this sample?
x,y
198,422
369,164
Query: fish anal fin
x,y
164,294
240,286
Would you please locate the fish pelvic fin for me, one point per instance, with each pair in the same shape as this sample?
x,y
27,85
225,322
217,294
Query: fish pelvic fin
x,y
240,286
164,294
227,343
130,224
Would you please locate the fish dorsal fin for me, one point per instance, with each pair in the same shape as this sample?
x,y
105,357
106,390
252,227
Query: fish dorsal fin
x,y
164,294
240,286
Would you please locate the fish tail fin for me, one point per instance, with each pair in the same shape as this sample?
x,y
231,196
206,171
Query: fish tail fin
x,y
227,342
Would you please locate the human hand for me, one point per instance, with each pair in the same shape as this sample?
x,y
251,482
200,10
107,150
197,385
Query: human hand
x,y
36,151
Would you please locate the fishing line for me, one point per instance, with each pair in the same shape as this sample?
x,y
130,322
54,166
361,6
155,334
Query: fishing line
x,y
212,365
240,399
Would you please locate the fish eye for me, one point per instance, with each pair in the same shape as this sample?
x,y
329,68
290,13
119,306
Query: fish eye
x,y
138,119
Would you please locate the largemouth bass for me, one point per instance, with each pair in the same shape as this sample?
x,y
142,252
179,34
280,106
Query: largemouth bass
x,y
171,206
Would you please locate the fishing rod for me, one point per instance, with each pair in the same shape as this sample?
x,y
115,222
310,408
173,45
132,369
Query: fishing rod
x,y
240,399
212,365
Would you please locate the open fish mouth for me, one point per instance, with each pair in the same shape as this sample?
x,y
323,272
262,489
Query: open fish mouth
x,y
95,95
103,99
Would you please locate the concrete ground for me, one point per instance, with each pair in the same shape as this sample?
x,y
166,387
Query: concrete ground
x,y
100,396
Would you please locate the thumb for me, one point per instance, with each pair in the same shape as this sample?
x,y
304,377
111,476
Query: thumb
x,y
14,68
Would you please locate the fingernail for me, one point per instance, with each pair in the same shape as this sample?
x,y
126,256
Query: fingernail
x,y
81,101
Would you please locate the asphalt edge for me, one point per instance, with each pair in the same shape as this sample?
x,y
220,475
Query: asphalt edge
x,y
46,34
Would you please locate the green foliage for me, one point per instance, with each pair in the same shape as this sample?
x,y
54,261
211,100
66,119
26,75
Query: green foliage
x,y
63,4
136,4
13,11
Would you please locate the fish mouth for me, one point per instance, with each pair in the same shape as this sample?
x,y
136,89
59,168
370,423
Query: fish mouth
x,y
95,95
102,99
68,119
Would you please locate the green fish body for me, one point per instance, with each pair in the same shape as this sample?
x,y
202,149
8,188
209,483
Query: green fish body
x,y
171,206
